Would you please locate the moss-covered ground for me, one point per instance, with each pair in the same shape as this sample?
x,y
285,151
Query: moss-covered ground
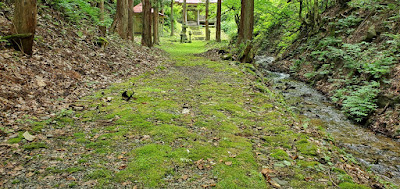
x,y
191,123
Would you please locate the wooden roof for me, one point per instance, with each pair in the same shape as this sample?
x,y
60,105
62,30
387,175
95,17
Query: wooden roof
x,y
139,8
195,1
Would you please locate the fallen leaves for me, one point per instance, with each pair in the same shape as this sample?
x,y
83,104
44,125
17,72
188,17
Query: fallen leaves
x,y
28,136
228,163
266,173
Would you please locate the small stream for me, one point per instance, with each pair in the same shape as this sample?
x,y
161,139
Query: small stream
x,y
379,153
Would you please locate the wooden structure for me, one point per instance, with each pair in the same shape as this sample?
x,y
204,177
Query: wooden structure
x,y
192,5
137,21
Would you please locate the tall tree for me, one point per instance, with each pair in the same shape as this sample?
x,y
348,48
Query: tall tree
x,y
121,19
131,30
218,33
246,25
102,27
172,17
155,23
146,24
207,23
25,23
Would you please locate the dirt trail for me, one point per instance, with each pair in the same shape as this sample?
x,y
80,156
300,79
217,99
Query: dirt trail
x,y
191,123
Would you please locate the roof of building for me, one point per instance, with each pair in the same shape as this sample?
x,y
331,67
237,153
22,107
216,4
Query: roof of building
x,y
195,1
139,8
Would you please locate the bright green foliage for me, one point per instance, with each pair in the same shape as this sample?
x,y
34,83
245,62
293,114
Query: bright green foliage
x,y
84,11
361,101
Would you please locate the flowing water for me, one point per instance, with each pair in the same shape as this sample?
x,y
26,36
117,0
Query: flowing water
x,y
379,153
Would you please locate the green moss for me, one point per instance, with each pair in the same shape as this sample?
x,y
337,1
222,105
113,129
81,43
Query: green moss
x,y
306,148
34,145
100,174
346,185
279,154
16,139
150,165
307,164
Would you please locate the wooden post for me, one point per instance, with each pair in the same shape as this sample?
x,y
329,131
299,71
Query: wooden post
x,y
218,33
198,16
25,22
207,24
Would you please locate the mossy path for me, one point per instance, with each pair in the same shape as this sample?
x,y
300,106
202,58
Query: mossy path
x,y
192,123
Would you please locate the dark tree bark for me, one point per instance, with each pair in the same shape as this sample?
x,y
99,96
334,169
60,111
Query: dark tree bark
x,y
102,27
246,25
172,17
131,30
207,24
146,30
218,34
25,23
155,24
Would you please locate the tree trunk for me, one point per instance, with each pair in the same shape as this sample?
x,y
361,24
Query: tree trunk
x,y
146,23
172,18
184,13
218,34
155,25
25,22
246,30
207,24
246,21
102,27
121,18
131,30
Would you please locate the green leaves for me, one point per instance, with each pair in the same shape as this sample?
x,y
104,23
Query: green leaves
x,y
361,101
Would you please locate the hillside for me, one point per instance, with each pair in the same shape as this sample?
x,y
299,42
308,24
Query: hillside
x,y
69,62
354,59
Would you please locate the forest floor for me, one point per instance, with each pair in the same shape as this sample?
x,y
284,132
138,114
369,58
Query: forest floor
x,y
191,123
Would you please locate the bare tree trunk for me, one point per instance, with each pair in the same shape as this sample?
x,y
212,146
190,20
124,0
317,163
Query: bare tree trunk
x,y
25,23
218,34
246,25
146,31
155,25
131,30
172,18
207,24
122,18
102,27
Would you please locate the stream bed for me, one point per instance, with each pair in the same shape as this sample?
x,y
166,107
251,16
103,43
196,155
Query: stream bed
x,y
376,152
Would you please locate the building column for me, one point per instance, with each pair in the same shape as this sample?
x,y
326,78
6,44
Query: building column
x,y
198,16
